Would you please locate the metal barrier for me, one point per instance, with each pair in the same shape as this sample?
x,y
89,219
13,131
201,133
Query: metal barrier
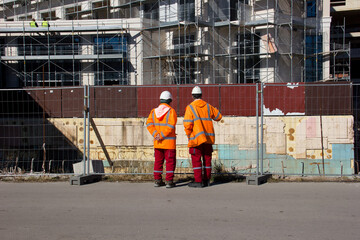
x,y
283,129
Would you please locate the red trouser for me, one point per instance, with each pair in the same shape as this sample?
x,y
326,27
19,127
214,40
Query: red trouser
x,y
204,151
170,156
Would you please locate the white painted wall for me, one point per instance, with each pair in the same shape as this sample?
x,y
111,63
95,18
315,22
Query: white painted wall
x,y
296,136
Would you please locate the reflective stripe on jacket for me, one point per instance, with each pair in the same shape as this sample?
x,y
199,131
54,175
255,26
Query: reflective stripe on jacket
x,y
163,126
198,123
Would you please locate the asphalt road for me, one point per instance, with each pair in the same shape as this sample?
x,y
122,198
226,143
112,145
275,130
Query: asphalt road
x,y
140,211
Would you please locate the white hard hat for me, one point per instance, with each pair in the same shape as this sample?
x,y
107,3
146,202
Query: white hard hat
x,y
196,90
165,95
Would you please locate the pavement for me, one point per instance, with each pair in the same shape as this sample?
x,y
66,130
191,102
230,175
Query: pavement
x,y
122,210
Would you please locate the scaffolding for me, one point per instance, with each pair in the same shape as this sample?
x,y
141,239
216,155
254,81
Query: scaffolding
x,y
68,53
170,42
340,55
240,41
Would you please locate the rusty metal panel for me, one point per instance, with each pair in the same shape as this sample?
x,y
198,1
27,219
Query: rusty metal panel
x,y
149,98
73,102
49,100
210,94
52,103
284,99
238,100
112,102
323,99
185,98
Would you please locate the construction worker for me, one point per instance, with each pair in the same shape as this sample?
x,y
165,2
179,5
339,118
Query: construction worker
x,y
161,125
45,23
33,23
201,136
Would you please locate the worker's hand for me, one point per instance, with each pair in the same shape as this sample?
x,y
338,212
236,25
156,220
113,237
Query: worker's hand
x,y
157,137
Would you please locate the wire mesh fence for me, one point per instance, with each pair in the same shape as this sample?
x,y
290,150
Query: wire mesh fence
x,y
283,129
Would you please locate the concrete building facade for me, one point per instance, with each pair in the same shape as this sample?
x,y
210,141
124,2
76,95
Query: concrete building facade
x,y
140,42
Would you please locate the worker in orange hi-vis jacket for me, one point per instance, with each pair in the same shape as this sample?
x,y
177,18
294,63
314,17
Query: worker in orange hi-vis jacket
x,y
201,135
161,125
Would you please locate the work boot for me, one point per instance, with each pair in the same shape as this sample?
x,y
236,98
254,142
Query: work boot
x,y
170,184
206,183
159,183
195,184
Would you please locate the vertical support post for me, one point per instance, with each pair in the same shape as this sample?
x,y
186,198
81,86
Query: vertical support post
x,y
258,179
291,42
229,80
44,127
88,129
349,61
97,51
24,52
73,51
48,62
262,129
268,40
334,61
257,129
305,31
302,168
316,42
32,166
159,50
85,115
322,142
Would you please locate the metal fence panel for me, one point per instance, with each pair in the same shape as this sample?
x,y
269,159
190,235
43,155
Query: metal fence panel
x,y
304,129
238,100
115,102
149,98
328,99
30,142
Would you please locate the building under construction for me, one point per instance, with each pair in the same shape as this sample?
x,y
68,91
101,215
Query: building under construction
x,y
146,42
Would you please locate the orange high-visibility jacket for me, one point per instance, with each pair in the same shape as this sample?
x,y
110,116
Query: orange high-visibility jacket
x,y
164,126
198,123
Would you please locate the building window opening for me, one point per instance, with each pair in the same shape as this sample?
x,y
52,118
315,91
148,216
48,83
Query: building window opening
x,y
248,59
311,8
314,60
111,72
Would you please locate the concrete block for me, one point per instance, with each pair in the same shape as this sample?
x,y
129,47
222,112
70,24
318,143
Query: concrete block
x,y
96,166
275,143
84,179
256,180
313,127
335,127
315,143
274,125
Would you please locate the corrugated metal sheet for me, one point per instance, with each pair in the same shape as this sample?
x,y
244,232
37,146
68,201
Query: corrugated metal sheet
x,y
73,102
328,100
210,94
51,102
238,100
185,98
112,102
231,100
149,98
